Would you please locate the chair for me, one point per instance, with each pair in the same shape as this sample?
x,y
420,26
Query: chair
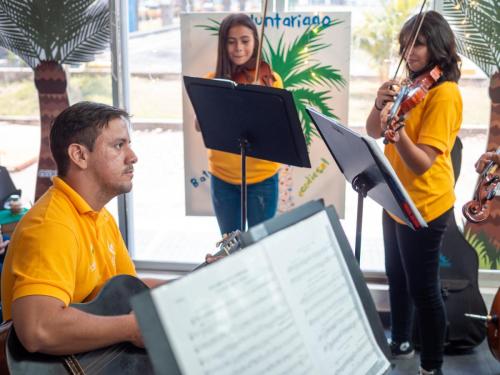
x,y
7,187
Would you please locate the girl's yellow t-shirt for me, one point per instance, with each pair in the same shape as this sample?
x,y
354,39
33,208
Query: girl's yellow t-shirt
x,y
434,122
227,166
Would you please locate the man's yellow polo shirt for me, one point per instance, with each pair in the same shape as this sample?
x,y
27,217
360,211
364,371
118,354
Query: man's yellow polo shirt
x,y
227,166
63,249
434,122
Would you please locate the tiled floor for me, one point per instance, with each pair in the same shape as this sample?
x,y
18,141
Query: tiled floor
x,y
479,362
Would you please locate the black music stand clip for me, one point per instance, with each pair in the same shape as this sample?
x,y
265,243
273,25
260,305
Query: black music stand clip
x,y
248,120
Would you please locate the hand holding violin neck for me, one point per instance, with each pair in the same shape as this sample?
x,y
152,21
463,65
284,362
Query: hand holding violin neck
x,y
391,122
390,134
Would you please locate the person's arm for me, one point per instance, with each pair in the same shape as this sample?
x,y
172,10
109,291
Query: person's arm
x,y
485,159
418,157
385,94
44,324
153,283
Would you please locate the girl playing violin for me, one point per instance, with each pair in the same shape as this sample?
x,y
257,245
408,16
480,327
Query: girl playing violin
x,y
420,155
236,60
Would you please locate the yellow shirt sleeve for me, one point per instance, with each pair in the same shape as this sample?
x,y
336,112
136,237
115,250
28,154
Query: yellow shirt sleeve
x,y
39,265
441,118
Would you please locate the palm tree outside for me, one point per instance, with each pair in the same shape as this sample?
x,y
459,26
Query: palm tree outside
x,y
379,33
46,34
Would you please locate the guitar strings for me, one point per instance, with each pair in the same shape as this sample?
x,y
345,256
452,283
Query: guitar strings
x,y
108,356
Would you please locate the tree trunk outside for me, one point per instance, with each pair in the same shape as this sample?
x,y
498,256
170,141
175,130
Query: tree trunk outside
x,y
488,230
50,81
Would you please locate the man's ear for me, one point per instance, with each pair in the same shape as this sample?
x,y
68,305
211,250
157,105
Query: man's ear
x,y
78,154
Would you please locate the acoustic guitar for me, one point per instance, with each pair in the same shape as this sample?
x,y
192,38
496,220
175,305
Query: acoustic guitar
x,y
226,246
123,358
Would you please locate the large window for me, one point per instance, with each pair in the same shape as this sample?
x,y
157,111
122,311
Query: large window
x,y
162,230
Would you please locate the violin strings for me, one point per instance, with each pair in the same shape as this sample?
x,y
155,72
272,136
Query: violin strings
x,y
414,32
259,50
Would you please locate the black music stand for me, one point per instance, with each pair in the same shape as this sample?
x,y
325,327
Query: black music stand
x,y
364,166
248,120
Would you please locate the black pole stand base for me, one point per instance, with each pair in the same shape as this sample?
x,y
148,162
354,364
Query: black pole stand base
x,y
243,148
361,184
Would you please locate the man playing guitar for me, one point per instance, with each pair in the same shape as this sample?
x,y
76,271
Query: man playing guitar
x,y
68,245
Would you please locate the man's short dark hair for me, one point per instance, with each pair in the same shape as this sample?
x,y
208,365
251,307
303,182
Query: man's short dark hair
x,y
80,123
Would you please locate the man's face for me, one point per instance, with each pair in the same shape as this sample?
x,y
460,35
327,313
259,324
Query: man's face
x,y
111,163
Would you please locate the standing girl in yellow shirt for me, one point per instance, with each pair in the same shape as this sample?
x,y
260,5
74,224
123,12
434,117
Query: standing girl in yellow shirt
x,y
236,60
420,155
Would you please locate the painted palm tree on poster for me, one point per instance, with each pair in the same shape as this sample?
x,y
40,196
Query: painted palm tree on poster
x,y
300,73
313,61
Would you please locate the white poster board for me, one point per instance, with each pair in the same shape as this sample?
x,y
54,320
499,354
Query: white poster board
x,y
319,78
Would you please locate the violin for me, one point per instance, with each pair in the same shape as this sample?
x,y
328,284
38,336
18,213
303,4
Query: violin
x,y
410,95
478,209
265,75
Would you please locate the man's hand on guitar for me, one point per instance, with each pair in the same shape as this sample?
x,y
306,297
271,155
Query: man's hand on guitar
x,y
209,258
229,243
136,336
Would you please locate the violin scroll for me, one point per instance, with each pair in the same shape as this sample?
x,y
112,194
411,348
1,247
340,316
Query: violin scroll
x,y
478,209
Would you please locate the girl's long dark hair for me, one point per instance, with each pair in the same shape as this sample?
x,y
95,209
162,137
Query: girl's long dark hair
x,y
225,68
436,33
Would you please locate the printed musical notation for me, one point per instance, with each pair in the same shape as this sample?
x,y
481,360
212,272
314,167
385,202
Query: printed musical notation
x,y
285,305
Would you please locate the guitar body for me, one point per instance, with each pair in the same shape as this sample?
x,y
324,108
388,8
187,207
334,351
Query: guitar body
x,y
123,358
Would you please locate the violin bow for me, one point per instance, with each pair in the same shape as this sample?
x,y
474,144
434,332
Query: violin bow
x,y
413,38
259,50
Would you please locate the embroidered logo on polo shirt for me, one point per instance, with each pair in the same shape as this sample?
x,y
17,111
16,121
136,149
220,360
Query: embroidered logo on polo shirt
x,y
92,266
111,249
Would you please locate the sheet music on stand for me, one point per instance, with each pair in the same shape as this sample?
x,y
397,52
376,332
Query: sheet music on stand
x,y
257,121
287,304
